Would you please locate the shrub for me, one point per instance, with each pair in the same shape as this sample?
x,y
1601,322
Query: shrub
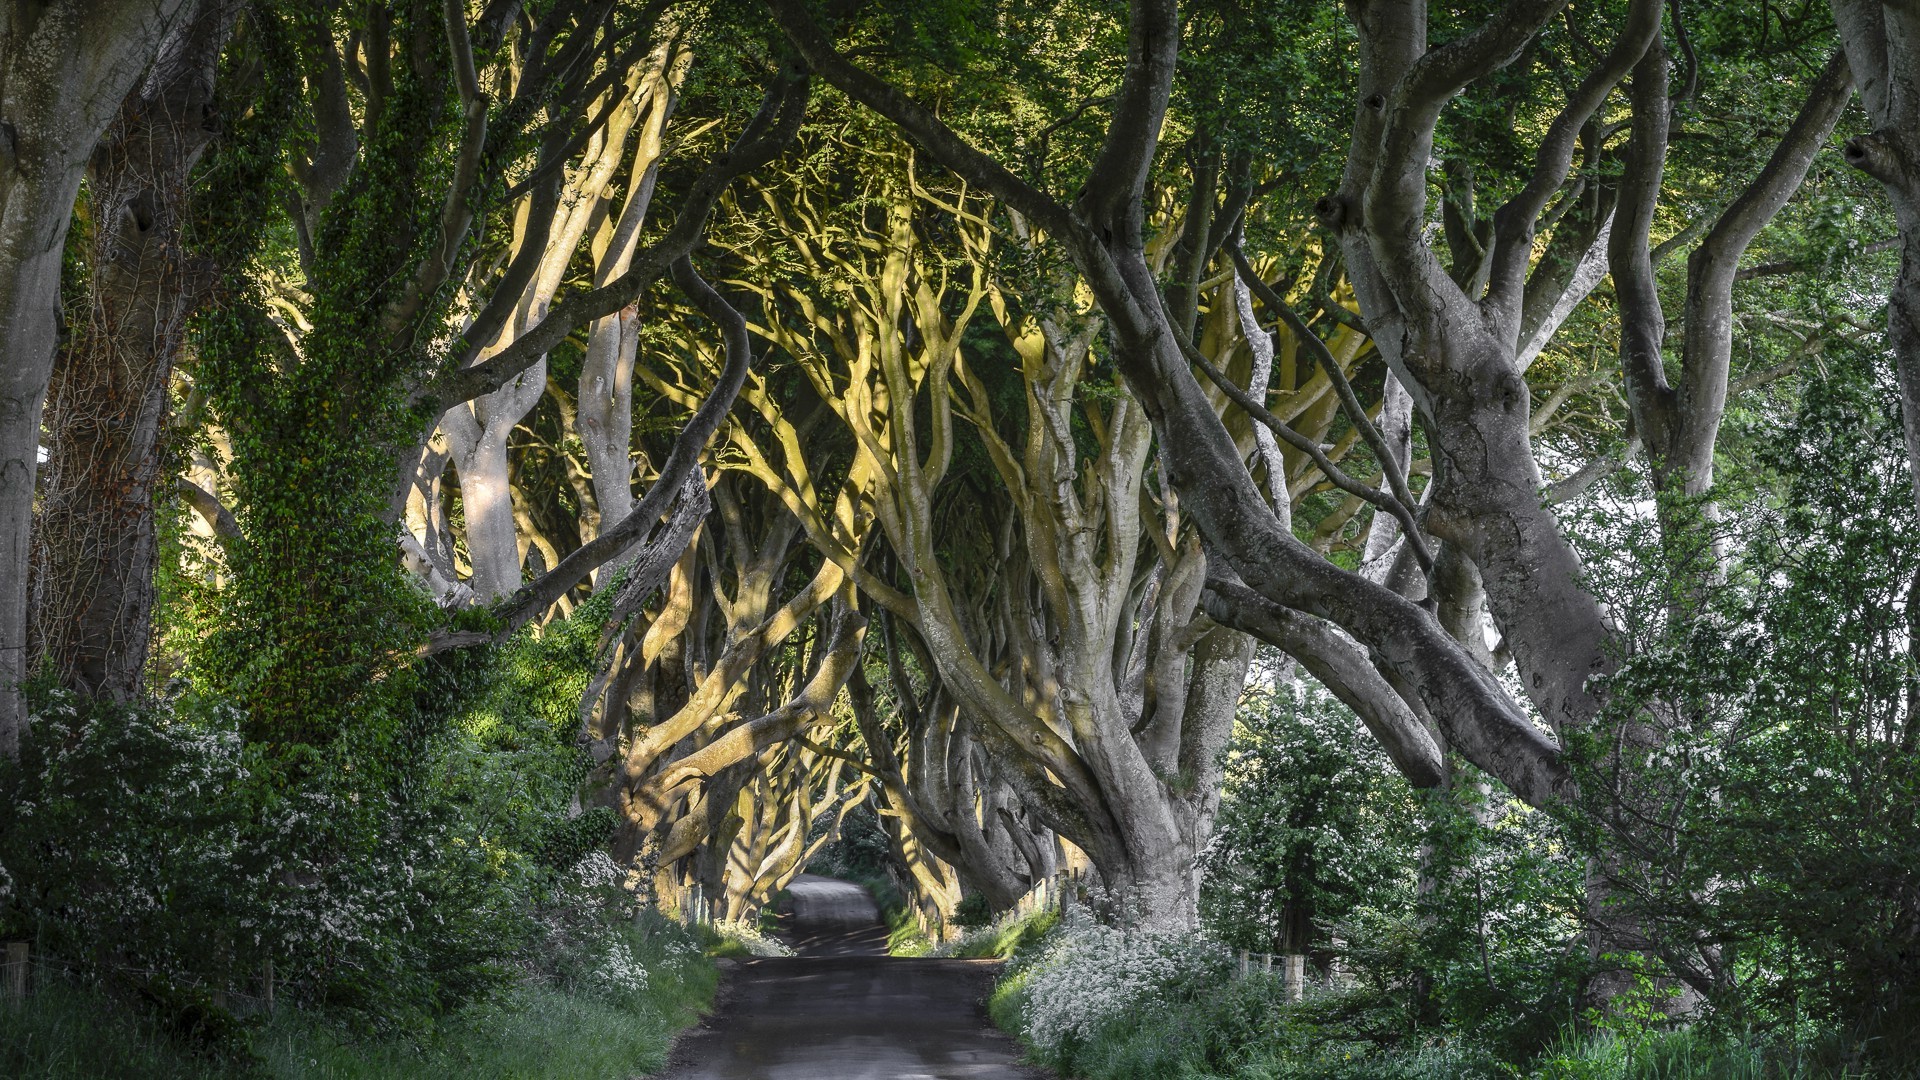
x,y
1088,974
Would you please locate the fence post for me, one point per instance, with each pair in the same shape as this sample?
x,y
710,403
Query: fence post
x,y
16,968
1243,963
1266,963
1296,977
266,982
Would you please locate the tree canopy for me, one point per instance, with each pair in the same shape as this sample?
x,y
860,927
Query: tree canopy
x,y
1177,445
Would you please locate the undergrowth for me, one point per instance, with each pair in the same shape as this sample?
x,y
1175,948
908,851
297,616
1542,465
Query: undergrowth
x,y
612,1015
1002,940
1098,1003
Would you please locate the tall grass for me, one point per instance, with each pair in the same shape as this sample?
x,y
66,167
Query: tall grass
x,y
1003,940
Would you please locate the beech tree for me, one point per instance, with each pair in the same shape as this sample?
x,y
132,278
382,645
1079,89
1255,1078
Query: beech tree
x,y
1454,340
67,69
96,539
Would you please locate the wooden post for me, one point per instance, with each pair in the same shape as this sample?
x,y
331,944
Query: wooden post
x,y
16,968
1243,963
1266,963
1296,977
266,982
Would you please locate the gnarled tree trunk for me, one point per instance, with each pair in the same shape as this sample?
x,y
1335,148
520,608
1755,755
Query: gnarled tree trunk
x,y
96,542
65,69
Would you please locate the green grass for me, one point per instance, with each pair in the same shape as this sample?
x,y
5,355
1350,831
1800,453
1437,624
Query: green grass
x,y
1003,941
534,1032
537,1033
64,1033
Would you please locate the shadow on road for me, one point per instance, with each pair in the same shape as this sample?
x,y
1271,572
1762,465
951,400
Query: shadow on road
x,y
834,918
842,1009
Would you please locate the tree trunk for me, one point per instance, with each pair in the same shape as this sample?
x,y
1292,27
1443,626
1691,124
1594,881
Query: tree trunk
x,y
96,547
1882,42
65,68
477,433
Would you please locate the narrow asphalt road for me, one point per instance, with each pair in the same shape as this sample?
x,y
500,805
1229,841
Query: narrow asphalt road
x,y
845,1010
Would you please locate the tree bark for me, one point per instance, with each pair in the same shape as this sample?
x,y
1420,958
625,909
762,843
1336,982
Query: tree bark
x,y
65,69
1882,41
106,420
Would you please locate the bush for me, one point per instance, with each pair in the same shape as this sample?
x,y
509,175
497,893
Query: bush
x,y
972,912
1104,1004
1313,821
391,877
599,996
1773,794
1088,974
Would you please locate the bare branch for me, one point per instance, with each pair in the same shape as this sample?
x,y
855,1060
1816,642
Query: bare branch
x,y
1349,401
682,461
1514,223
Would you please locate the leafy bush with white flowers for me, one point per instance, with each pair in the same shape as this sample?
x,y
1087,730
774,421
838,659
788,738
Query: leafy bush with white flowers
x,y
1090,975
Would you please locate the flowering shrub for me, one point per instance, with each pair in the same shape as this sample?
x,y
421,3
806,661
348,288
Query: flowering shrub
x,y
390,876
124,837
1091,975
618,971
597,941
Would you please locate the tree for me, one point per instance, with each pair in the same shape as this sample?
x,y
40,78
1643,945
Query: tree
x,y
67,69
96,538
1880,42
1452,340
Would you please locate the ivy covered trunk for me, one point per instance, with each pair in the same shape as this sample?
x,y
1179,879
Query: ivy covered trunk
x,y
96,539
319,617
64,68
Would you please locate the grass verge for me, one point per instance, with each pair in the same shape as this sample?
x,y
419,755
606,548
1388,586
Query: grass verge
x,y
535,1031
1003,940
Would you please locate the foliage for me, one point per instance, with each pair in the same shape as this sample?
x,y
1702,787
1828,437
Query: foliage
x,y
1090,973
1460,908
728,939
538,1030
152,847
1094,1002
1004,939
1313,821
1786,781
1195,1024
972,912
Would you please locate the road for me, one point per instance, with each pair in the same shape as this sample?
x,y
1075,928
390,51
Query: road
x,y
845,1010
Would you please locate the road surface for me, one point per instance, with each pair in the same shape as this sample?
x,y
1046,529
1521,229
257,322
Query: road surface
x,y
845,1010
